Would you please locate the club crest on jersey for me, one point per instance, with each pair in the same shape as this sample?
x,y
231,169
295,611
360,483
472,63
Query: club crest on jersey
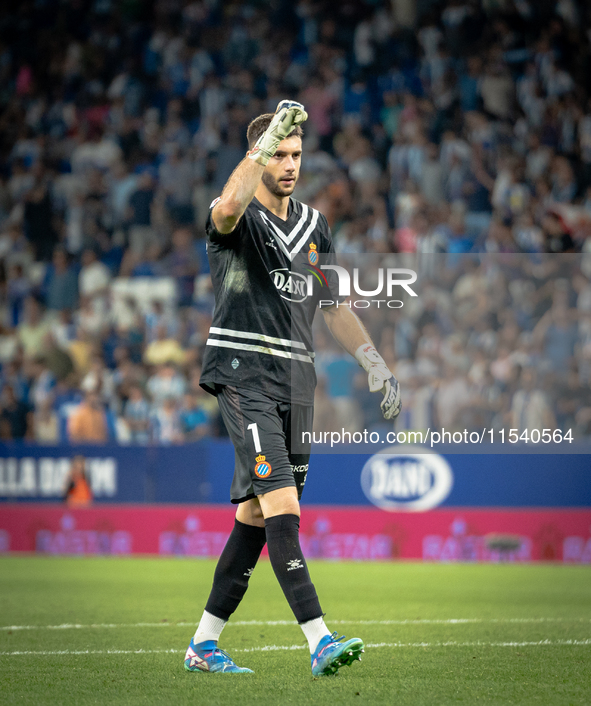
x,y
263,468
312,254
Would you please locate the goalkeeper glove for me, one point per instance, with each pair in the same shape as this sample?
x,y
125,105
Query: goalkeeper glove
x,y
380,379
288,115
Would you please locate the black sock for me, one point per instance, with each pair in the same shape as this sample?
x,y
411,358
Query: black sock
x,y
289,565
235,565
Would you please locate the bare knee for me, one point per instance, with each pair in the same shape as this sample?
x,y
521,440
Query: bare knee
x,y
283,501
250,513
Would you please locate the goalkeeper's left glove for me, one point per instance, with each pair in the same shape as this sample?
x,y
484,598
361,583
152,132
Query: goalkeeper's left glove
x,y
288,116
380,378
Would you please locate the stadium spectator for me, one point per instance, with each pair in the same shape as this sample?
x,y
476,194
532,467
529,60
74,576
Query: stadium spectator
x,y
176,177
183,264
166,383
340,373
530,407
164,349
94,276
16,416
58,361
38,212
166,423
45,423
88,422
62,285
137,415
99,379
194,418
18,288
81,349
31,333
141,233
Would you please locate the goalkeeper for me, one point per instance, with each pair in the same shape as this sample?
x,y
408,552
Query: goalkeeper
x,y
259,362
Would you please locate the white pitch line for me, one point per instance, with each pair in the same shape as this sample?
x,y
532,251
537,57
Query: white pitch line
x,y
479,643
289,648
271,623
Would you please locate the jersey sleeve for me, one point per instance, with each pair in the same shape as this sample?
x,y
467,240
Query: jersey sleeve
x,y
221,239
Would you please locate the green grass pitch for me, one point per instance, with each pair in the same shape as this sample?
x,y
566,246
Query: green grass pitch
x,y
435,634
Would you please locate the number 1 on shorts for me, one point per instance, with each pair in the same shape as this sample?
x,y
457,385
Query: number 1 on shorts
x,y
255,437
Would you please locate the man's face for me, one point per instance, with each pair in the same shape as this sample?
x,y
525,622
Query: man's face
x,y
282,171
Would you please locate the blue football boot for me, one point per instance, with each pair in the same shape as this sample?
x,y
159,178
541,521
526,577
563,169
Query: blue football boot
x,y
332,653
207,657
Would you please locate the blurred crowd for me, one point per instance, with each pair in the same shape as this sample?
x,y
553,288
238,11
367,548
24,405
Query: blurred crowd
x,y
493,341
437,129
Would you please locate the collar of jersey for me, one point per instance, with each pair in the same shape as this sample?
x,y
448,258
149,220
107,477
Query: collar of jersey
x,y
271,220
291,211
284,240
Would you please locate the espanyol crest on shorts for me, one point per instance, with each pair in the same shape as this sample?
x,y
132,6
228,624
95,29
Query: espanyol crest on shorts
x,y
312,254
263,467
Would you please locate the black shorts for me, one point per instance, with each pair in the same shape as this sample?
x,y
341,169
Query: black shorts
x,y
267,438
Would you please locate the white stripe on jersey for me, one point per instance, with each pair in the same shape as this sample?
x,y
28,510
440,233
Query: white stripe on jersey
x,y
287,238
283,241
304,237
259,349
279,242
260,337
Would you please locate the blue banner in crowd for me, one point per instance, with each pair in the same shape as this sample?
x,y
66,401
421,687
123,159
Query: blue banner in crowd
x,y
202,473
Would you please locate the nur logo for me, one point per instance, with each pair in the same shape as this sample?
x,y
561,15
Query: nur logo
x,y
263,467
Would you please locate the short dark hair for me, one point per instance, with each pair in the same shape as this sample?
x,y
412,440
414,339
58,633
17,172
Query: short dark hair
x,y
258,126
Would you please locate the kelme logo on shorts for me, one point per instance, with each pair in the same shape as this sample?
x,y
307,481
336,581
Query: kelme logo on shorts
x,y
263,468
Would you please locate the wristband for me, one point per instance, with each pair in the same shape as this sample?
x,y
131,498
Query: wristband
x,y
367,356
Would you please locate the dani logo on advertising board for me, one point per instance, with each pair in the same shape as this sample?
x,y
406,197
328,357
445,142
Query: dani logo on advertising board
x,y
401,480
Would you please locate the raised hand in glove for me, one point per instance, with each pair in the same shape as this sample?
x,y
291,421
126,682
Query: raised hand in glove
x,y
288,115
380,379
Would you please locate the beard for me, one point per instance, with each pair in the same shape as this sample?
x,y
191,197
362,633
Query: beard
x,y
276,187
